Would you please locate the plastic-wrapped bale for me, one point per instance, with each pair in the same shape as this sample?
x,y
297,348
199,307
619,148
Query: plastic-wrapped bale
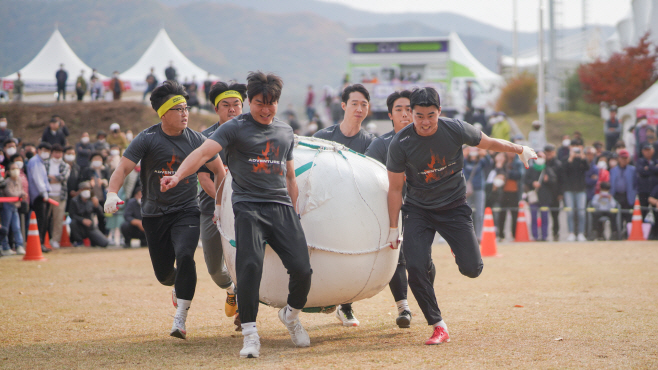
x,y
342,202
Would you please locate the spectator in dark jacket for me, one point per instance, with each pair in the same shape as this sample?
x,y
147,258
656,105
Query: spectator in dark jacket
x,y
646,175
82,226
73,182
474,164
622,184
592,174
132,227
512,190
540,179
61,76
83,151
53,134
565,149
5,133
575,196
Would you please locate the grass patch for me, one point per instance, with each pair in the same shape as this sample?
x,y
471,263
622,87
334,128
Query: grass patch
x,y
562,123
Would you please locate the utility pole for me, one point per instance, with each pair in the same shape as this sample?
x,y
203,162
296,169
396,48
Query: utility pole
x,y
552,84
541,98
515,41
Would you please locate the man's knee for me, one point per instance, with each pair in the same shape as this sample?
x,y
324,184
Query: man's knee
x,y
166,277
471,271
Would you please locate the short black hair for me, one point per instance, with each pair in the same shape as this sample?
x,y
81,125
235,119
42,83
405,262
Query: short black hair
x,y
220,87
57,148
164,92
67,148
395,96
44,144
425,97
345,96
96,154
7,142
54,119
269,85
14,157
605,185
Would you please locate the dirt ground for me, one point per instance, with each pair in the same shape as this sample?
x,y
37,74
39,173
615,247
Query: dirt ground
x,y
540,305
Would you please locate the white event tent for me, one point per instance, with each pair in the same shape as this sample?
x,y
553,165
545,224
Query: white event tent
x,y
39,74
158,56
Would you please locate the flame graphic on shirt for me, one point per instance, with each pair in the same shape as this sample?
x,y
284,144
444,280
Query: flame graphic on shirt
x,y
435,168
170,166
269,160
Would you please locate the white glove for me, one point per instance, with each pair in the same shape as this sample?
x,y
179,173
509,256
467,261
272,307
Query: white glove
x,y
215,217
111,203
527,154
45,197
393,238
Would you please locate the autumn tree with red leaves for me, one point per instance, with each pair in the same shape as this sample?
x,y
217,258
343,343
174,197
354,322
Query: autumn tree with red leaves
x,y
623,77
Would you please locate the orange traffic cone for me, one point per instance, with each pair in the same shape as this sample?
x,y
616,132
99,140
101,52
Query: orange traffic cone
x,y
488,243
636,227
521,225
65,241
33,245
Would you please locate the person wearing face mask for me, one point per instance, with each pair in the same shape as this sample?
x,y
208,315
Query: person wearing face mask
x,y
593,174
113,158
646,175
132,228
5,133
24,209
83,150
9,149
98,175
539,181
622,185
565,149
81,210
575,191
116,137
72,184
116,86
603,203
651,141
53,134
58,174
10,216
537,136
39,188
101,143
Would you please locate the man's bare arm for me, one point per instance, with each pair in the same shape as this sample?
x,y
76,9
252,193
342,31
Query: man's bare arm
x,y
291,183
191,164
123,169
395,185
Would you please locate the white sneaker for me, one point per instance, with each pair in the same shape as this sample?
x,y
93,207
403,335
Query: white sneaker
x,y
251,346
178,329
297,332
54,244
20,250
582,238
347,318
7,252
571,237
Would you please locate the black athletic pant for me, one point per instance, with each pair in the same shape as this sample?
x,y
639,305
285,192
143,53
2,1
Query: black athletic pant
x,y
508,200
41,209
257,223
456,227
174,237
399,283
130,231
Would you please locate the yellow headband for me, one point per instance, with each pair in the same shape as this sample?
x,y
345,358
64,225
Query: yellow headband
x,y
175,100
228,94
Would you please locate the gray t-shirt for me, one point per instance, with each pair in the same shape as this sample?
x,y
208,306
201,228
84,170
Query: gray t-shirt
x,y
161,155
258,155
433,164
378,149
359,142
207,203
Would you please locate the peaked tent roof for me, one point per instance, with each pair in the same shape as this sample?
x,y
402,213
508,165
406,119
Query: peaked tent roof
x,y
460,54
39,73
648,99
159,54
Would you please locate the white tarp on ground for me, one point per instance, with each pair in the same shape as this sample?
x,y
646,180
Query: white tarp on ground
x,y
158,56
39,74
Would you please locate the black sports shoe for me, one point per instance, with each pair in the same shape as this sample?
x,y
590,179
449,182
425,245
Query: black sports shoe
x,y
404,320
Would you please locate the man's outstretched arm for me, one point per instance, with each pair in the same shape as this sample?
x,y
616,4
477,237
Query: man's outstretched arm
x,y
497,145
192,163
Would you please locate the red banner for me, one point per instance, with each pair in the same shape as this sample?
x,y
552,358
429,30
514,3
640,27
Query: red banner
x,y
7,85
650,113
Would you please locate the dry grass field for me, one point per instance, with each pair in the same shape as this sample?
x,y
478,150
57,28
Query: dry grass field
x,y
540,305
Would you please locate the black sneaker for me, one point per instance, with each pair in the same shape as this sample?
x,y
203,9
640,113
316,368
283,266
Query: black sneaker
x,y
404,320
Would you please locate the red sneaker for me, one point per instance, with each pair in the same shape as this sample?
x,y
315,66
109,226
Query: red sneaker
x,y
439,336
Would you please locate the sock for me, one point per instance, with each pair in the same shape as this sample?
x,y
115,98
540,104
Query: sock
x,y
231,289
183,307
292,313
441,324
249,328
402,306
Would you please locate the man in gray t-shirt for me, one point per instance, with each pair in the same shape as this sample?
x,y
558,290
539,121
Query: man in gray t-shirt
x,y
228,101
429,153
170,219
355,102
259,150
